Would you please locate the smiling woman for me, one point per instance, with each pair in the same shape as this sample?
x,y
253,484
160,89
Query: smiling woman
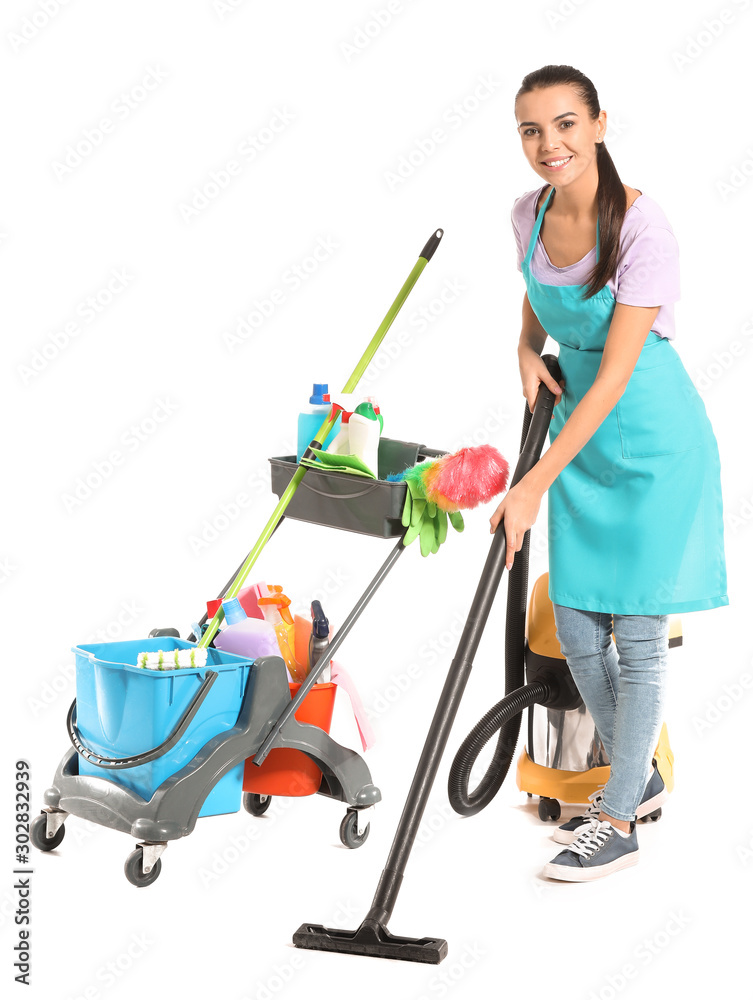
x,y
632,471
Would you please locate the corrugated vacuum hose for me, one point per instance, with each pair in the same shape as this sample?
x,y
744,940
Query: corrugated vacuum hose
x,y
505,718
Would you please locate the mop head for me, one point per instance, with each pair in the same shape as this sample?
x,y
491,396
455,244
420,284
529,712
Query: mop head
x,y
460,481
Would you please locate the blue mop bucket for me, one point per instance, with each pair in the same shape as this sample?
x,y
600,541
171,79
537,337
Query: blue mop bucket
x,y
123,710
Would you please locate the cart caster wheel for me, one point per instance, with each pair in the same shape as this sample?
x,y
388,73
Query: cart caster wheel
x,y
38,834
651,816
134,869
257,805
549,809
157,633
349,834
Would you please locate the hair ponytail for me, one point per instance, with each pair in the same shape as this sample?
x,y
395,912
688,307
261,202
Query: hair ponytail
x,y
610,194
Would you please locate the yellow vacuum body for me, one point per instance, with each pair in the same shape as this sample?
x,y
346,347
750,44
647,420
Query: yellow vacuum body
x,y
564,759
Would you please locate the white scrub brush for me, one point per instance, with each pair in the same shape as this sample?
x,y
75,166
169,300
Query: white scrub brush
x,y
159,659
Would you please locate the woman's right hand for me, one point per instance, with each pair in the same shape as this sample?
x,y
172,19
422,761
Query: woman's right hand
x,y
533,371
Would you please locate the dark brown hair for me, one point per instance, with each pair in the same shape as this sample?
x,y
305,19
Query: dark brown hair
x,y
610,194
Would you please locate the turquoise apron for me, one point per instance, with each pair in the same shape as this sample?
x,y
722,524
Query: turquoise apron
x,y
635,519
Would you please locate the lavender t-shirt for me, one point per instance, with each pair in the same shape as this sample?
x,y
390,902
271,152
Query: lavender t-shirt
x,y
648,271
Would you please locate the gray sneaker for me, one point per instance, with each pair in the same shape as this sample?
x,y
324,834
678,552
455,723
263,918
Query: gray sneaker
x,y
654,795
598,851
568,832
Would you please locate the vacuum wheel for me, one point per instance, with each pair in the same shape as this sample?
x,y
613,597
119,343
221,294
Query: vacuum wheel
x,y
549,809
349,834
38,834
134,869
257,805
656,814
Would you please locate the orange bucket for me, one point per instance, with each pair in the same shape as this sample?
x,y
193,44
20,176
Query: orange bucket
x,y
292,772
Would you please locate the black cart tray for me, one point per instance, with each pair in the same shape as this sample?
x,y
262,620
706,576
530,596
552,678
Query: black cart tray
x,y
353,503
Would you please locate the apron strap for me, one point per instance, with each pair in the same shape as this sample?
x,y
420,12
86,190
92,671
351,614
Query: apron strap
x,y
537,229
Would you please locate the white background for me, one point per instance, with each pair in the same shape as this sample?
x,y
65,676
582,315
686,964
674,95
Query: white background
x,y
359,98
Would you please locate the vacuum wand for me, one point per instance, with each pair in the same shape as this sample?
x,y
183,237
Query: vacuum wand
x,y
373,937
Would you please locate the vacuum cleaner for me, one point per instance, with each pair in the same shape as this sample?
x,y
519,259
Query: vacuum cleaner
x,y
563,759
533,657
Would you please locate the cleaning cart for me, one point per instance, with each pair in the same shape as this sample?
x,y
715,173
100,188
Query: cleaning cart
x,y
153,750
211,723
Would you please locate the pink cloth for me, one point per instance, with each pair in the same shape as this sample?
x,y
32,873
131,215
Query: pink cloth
x,y
343,680
648,271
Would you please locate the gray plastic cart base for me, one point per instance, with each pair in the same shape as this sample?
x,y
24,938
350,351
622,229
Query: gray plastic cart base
x,y
174,808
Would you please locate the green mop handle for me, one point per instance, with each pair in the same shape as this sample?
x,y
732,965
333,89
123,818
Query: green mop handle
x,y
321,435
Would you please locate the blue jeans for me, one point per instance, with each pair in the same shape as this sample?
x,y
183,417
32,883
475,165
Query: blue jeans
x,y
623,689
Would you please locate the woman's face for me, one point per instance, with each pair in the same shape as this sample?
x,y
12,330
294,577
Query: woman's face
x,y
559,139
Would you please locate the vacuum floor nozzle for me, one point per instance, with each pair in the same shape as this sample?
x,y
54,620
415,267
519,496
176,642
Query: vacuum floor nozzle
x,y
372,939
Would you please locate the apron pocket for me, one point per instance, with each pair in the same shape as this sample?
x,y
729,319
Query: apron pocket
x,y
658,413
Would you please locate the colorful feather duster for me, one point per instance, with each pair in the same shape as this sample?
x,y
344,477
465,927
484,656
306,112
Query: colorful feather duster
x,y
460,481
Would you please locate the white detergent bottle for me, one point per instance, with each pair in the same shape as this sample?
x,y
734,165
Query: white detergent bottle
x,y
340,444
363,428
375,404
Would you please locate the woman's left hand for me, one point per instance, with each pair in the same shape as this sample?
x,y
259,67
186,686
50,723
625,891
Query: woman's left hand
x,y
519,509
